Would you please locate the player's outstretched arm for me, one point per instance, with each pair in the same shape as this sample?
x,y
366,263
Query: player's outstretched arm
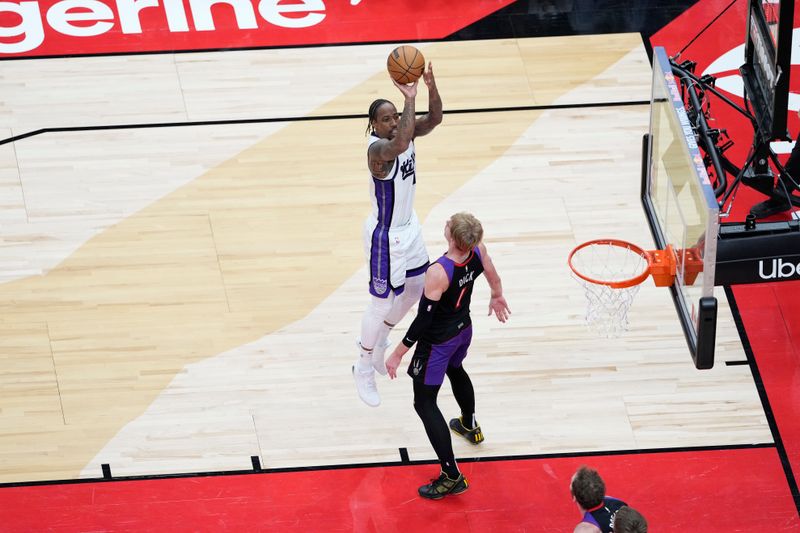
x,y
497,304
433,117
436,282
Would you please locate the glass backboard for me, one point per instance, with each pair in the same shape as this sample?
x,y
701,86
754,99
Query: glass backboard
x,y
681,209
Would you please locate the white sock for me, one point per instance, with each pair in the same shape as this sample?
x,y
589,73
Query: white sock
x,y
383,336
372,328
364,363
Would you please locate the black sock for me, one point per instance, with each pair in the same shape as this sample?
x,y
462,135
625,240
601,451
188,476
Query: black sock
x,y
451,469
464,394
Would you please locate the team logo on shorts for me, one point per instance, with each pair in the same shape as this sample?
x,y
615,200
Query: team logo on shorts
x,y
380,285
416,366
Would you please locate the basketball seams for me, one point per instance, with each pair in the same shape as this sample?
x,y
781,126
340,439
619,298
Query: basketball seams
x,y
399,75
401,68
405,55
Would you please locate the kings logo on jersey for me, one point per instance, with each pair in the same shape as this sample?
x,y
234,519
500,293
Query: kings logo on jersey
x,y
408,167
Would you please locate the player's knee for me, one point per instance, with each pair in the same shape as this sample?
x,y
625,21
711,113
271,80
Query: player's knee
x,y
380,307
456,372
415,286
425,407
457,375
412,291
419,407
425,400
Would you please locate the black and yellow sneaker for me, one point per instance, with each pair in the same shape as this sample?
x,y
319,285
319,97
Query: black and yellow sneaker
x,y
444,486
474,436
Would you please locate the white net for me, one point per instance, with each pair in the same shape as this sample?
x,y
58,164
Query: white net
x,y
607,307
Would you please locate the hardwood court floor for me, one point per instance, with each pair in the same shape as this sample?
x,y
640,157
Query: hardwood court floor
x,y
182,298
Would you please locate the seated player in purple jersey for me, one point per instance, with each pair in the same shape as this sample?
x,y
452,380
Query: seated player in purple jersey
x,y
442,331
393,244
589,493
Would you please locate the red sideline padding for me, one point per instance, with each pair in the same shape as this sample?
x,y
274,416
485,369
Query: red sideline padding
x,y
771,316
709,491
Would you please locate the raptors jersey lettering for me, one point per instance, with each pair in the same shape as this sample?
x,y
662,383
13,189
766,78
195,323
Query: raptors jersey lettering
x,y
452,314
393,197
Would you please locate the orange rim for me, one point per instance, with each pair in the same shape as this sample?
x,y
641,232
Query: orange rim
x,y
619,284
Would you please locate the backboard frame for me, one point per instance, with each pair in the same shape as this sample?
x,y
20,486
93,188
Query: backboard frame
x,y
698,319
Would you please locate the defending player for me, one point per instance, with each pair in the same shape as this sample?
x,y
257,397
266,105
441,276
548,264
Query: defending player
x,y
442,331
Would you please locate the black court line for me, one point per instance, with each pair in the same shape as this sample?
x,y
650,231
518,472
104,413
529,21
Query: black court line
x,y
737,363
762,394
307,118
404,456
257,469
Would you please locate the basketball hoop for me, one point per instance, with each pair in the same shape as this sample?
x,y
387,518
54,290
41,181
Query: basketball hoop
x,y
611,272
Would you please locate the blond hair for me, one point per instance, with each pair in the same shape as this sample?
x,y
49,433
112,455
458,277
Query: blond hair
x,y
466,231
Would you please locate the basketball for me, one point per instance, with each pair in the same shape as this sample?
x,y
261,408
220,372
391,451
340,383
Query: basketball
x,y
406,64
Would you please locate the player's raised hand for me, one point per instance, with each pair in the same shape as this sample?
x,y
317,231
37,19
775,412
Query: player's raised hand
x,y
499,306
428,77
409,91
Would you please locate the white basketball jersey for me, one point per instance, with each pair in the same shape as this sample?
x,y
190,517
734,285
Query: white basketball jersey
x,y
393,197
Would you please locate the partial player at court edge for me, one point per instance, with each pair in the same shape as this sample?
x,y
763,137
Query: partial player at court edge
x,y
598,509
442,331
395,251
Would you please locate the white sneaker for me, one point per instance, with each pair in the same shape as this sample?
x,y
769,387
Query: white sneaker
x,y
365,385
379,358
